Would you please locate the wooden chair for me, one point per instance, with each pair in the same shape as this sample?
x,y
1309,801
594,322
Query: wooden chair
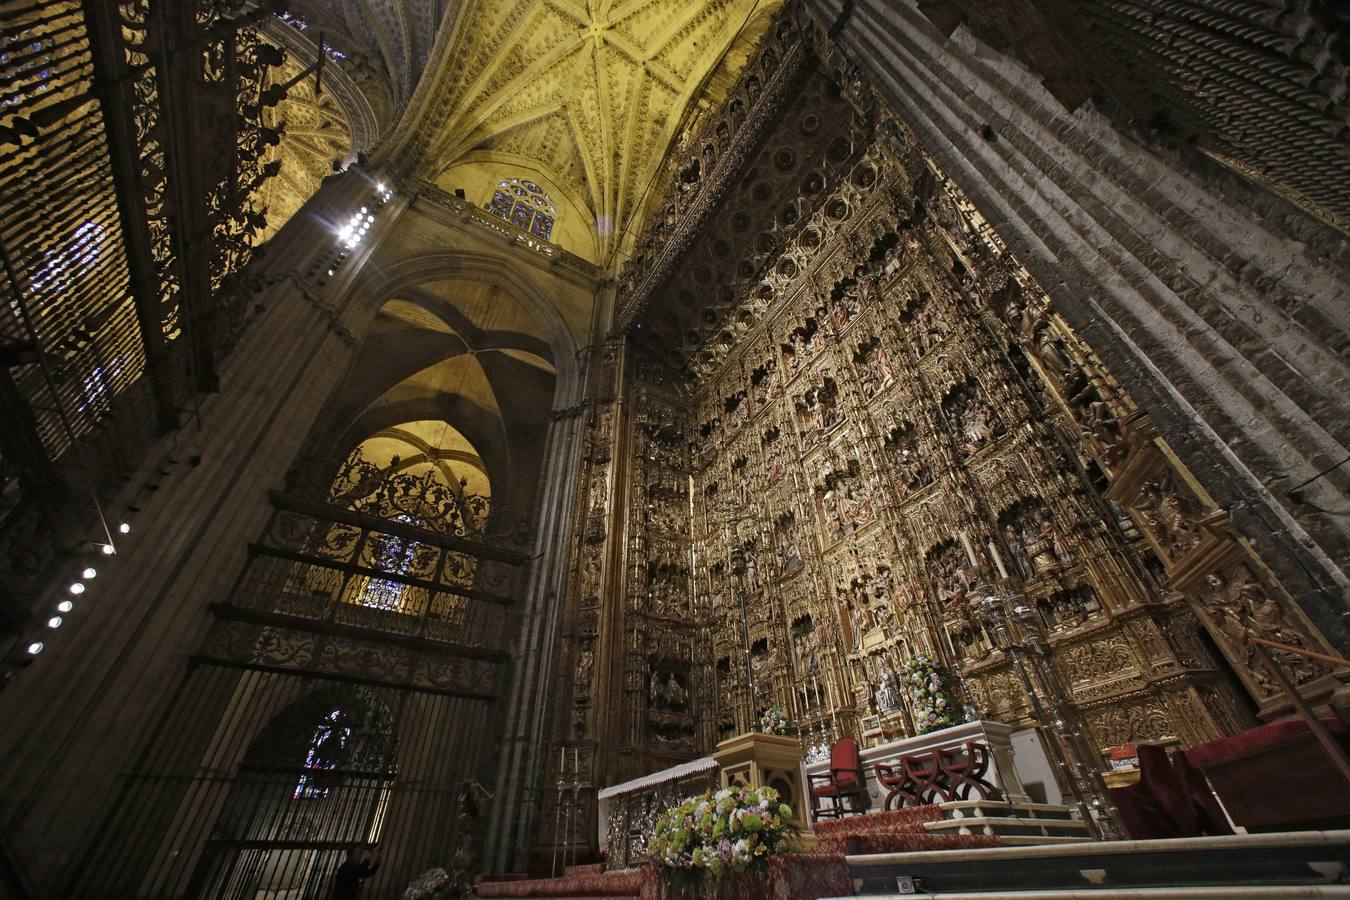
x,y
845,779
964,771
919,782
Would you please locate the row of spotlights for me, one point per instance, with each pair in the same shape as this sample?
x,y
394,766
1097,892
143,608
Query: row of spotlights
x,y
78,587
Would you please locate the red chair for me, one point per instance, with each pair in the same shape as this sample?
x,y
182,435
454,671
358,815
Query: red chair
x,y
845,779
919,783
965,770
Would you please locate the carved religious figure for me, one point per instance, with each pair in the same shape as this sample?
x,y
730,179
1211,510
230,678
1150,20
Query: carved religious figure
x,y
773,466
1242,609
1167,514
585,664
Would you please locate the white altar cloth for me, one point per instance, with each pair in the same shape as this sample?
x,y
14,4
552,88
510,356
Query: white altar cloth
x,y
1002,767
674,773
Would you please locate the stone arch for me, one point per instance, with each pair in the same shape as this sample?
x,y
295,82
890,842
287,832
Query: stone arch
x,y
375,285
522,373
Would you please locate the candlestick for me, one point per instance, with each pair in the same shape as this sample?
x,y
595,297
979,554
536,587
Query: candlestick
x,y
970,551
998,560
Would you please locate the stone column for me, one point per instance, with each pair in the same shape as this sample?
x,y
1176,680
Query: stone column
x,y
1222,319
77,717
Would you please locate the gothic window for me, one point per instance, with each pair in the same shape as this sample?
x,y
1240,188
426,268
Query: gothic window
x,y
393,554
525,205
327,748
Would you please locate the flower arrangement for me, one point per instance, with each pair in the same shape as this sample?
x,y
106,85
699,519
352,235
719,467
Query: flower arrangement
x,y
433,884
930,699
774,721
716,833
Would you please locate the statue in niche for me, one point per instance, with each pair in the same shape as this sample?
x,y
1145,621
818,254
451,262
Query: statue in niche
x,y
818,410
834,523
1027,321
855,508
1095,415
927,326
874,368
752,579
1039,541
855,601
773,466
759,385
590,575
679,697
1050,347
950,577
858,591
761,662
971,415
975,426
585,664
893,258
741,486
882,614
911,471
845,308
792,554
887,691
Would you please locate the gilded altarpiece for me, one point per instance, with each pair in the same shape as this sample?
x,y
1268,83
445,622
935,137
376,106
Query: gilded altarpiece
x,y
890,422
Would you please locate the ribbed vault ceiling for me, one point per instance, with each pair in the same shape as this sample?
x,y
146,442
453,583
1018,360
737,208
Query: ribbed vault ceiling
x,y
591,94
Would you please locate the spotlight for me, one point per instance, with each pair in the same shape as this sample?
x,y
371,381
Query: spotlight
x,y
109,549
54,622
35,648
65,606
77,588
89,573
125,528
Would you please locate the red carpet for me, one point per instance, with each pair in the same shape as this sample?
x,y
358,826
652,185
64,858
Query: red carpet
x,y
577,882
896,831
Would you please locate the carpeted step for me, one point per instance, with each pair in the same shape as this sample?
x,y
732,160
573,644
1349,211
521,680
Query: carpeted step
x,y
1244,892
904,830
590,882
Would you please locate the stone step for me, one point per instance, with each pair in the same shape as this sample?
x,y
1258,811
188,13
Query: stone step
x,y
1073,864
1006,825
1246,892
1041,840
960,808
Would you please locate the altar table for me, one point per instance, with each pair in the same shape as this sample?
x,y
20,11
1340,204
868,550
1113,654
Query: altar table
x,y
996,735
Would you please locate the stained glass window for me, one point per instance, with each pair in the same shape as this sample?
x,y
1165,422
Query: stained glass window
x,y
327,750
525,205
392,554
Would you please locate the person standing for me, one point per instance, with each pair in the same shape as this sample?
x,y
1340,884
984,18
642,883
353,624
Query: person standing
x,y
355,869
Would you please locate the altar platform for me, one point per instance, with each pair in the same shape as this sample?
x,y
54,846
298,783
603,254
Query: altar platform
x,y
1278,866
1004,770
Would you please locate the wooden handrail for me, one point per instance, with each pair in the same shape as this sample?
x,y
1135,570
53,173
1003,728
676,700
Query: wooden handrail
x,y
1311,654
1339,760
